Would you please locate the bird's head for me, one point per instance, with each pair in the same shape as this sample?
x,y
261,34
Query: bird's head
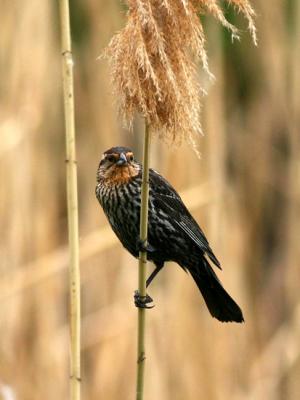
x,y
117,165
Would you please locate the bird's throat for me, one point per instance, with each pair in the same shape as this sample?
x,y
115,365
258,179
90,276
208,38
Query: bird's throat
x,y
120,174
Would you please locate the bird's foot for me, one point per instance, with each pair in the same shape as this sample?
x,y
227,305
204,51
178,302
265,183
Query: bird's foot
x,y
144,246
142,301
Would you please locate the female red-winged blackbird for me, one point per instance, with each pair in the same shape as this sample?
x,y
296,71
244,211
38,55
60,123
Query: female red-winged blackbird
x,y
173,234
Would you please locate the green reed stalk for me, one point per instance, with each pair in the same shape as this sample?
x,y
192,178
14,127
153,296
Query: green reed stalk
x,y
142,267
72,200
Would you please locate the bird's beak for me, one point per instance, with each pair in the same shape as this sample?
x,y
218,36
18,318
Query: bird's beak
x,y
122,160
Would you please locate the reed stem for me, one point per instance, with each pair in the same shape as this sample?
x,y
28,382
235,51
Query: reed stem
x,y
142,267
72,200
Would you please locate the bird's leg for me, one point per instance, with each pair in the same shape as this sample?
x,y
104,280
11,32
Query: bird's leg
x,y
142,301
154,273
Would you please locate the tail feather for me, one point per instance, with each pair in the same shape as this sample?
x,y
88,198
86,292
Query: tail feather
x,y
218,301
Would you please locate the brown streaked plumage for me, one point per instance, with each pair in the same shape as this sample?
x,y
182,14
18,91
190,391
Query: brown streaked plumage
x,y
173,234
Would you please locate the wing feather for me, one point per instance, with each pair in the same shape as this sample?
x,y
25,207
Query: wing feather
x,y
166,198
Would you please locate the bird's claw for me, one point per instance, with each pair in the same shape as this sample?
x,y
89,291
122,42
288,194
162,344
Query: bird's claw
x,y
142,301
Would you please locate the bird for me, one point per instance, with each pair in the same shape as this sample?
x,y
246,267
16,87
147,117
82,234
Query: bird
x,y
173,233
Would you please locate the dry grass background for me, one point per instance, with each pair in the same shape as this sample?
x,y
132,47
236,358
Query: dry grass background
x,y
245,192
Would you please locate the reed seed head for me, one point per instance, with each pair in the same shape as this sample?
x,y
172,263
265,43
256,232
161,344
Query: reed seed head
x,y
153,66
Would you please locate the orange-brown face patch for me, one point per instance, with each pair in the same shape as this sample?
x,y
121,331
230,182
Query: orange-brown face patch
x,y
120,174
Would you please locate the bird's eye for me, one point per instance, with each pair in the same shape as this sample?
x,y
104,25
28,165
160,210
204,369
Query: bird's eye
x,y
111,158
130,158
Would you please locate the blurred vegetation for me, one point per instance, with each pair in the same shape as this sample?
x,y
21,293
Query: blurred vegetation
x,y
244,192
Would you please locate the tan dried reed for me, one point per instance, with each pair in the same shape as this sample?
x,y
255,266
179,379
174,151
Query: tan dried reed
x,y
153,62
72,201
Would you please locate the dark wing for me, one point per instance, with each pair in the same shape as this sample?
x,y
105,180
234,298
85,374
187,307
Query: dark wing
x,y
166,198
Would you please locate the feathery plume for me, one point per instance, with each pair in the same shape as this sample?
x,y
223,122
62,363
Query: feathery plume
x,y
152,62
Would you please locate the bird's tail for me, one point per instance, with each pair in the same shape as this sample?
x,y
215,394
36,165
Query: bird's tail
x,y
218,301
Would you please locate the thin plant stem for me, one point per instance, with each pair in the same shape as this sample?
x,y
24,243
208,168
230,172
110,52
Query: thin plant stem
x,y
72,199
142,267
